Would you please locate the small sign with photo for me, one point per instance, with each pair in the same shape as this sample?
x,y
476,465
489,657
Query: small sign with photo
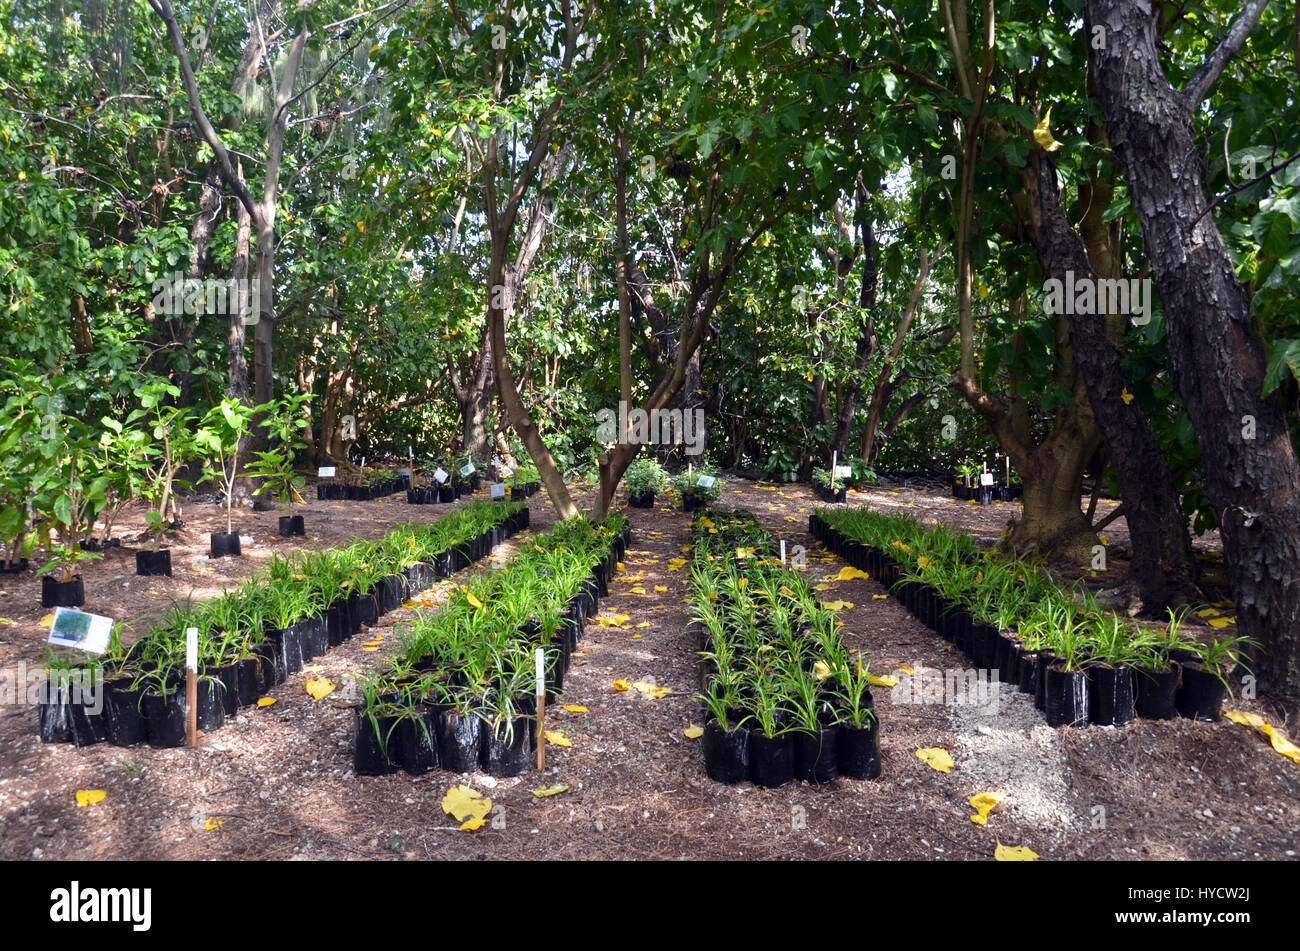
x,y
706,482
79,630
498,490
325,472
467,470
440,475
844,472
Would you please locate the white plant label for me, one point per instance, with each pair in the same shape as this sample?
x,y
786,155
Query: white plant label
x,y
440,475
843,472
498,490
325,472
541,672
404,471
77,629
467,470
986,478
783,551
706,482
192,649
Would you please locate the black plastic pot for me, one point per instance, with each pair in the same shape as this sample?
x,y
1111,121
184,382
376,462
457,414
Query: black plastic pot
x,y
641,500
247,680
1066,697
368,756
816,756
126,726
367,610
55,717
1200,695
223,544
859,751
726,754
89,726
291,525
317,634
459,741
165,719
153,563
210,715
1111,702
1027,676
446,493
228,683
771,759
1042,663
1156,693
500,758
17,567
418,740
1008,653
62,594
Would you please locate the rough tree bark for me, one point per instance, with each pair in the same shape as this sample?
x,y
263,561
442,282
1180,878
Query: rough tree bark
x,y
1251,470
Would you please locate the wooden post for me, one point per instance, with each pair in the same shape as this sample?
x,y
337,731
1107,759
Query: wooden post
x,y
191,686
541,709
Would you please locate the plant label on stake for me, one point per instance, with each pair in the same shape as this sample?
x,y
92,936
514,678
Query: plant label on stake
x,y
706,482
986,478
325,472
498,491
191,685
541,708
467,470
783,551
440,475
835,458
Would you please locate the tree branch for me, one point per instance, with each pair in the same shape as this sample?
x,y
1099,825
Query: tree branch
x,y
1198,87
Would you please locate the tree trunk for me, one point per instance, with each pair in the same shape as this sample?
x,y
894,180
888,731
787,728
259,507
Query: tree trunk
x,y
1162,563
1251,471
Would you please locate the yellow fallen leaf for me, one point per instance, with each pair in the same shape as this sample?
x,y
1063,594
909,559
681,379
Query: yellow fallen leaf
x,y
265,701
575,708
983,803
369,650
557,739
1222,604
675,564
849,573
1043,133
880,597
465,804
837,605
213,824
644,624
936,757
885,681
612,620
636,637
88,797
1276,738
550,791
1222,621
1126,396
651,690
320,688
693,732
473,600
47,620
577,654
821,670
636,589
905,669
824,587
313,669
469,825
661,587
1014,853
623,684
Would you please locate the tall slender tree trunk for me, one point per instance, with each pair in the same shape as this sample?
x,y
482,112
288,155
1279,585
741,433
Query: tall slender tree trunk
x,y
1251,470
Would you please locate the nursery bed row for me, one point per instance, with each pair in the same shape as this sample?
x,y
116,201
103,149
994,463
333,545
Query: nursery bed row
x,y
785,699
1083,664
379,486
252,638
462,694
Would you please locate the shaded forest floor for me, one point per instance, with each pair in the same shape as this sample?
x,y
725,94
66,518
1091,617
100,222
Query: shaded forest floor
x,y
280,778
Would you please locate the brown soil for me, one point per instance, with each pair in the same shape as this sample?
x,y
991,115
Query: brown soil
x,y
279,779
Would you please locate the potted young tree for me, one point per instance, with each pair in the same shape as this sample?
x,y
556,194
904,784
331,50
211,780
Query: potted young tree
x,y
164,444
283,419
70,500
218,438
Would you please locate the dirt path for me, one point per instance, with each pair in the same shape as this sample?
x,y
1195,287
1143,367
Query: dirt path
x,y
279,779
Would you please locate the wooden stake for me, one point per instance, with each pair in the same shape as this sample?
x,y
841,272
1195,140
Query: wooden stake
x,y
541,709
191,686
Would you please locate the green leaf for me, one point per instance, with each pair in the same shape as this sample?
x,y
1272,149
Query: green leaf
x,y
1285,355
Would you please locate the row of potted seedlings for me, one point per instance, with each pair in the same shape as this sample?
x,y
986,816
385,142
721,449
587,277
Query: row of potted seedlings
x,y
461,695
376,484
784,697
1082,664
827,488
253,637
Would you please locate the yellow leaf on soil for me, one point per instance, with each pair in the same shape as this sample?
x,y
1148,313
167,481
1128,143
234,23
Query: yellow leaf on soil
x,y
550,791
821,670
469,825
905,669
693,732
823,587
557,739
880,597
675,564
636,589
1014,853
213,824
849,573
47,620
1222,621
653,691
644,624
575,708
837,605
369,650
936,757
464,803
320,688
983,803
661,587
265,701
1276,738
885,681
613,620
88,797
622,685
